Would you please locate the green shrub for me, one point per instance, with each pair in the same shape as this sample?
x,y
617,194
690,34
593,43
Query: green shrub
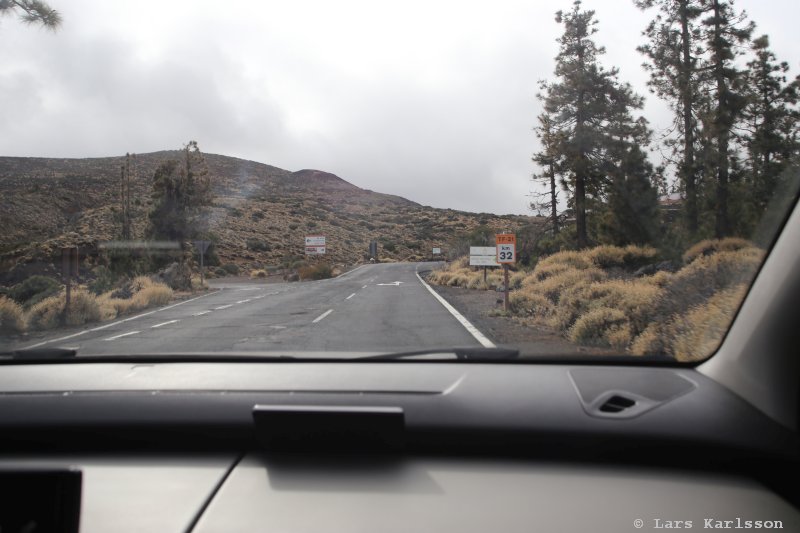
x,y
231,268
33,290
257,245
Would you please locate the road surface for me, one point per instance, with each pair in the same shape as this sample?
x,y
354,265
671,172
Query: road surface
x,y
373,309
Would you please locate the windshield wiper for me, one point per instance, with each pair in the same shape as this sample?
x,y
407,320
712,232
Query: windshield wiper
x,y
462,354
40,354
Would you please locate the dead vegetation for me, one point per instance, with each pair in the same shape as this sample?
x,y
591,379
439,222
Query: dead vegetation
x,y
593,298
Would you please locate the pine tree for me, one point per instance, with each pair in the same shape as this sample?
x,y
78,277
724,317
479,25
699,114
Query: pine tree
x,y
673,51
32,12
725,34
771,123
591,127
546,158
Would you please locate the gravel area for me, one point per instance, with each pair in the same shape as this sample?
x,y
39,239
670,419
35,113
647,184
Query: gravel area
x,y
534,341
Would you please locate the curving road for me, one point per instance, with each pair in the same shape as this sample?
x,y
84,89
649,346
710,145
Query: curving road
x,y
372,309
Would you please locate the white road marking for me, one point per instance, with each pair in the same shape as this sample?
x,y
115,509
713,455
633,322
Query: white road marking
x,y
323,315
223,306
350,272
243,301
115,337
392,284
480,337
364,287
201,313
99,328
164,323
350,296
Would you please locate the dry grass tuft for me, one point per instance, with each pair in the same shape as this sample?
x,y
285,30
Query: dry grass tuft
x,y
12,317
258,274
47,314
712,246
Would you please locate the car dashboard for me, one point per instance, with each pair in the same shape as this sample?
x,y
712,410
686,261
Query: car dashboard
x,y
396,446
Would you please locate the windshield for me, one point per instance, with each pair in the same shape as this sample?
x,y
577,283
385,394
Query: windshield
x,y
339,179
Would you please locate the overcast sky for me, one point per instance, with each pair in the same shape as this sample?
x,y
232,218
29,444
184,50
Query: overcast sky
x,y
434,101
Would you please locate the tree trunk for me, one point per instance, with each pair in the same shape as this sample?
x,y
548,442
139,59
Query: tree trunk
x,y
722,228
688,167
553,202
580,211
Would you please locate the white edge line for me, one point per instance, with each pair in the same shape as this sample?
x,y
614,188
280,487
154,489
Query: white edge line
x,y
201,313
223,307
115,337
364,287
340,276
117,322
323,315
480,337
243,301
350,296
165,323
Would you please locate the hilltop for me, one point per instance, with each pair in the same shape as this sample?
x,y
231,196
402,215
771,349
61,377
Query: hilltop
x,y
260,213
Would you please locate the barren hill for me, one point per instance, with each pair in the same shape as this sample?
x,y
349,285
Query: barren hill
x,y
260,214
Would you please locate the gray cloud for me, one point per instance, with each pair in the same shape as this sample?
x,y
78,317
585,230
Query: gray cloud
x,y
431,101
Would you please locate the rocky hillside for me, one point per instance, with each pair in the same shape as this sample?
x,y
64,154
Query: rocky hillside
x,y
259,217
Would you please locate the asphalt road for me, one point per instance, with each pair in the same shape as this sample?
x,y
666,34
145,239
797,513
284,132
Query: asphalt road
x,y
373,309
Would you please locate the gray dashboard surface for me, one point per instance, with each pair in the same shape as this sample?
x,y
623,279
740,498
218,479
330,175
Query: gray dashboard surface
x,y
141,493
427,495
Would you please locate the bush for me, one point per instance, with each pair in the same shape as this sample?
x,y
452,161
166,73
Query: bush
x,y
12,318
258,274
46,314
257,245
320,271
711,246
33,290
591,328
83,308
104,280
231,269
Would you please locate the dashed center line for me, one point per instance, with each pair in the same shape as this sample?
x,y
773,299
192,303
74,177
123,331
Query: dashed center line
x,y
364,287
115,337
350,296
201,313
165,323
223,306
243,301
323,315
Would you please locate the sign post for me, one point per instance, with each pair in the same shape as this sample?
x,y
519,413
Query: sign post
x,y
506,254
202,246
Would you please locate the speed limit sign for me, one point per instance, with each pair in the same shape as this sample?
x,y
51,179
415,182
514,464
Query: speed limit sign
x,y
506,248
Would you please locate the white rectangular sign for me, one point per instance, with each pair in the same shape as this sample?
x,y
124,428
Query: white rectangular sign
x,y
315,250
483,256
315,240
437,251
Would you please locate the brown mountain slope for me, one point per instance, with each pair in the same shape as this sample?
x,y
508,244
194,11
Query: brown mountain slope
x,y
259,216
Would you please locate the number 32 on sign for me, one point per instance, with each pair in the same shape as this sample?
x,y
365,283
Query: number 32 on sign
x,y
506,248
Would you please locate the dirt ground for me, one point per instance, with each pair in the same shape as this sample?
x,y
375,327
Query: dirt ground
x,y
536,341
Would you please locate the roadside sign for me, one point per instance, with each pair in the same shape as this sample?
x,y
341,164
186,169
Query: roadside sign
x,y
202,246
483,256
315,244
506,248
437,251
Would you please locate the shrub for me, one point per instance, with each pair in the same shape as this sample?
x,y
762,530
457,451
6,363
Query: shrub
x,y
12,318
294,226
83,308
591,328
711,246
46,314
34,289
628,257
104,280
231,269
259,273
257,245
320,271
697,333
